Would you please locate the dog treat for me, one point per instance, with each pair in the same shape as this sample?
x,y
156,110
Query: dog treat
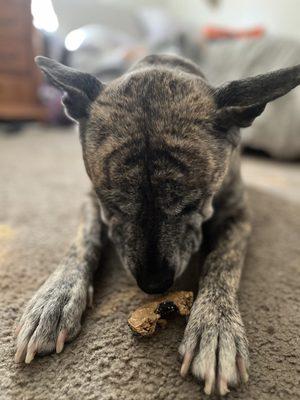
x,y
145,319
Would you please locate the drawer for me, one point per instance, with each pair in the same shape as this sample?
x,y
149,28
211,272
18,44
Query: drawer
x,y
15,57
14,9
17,88
13,28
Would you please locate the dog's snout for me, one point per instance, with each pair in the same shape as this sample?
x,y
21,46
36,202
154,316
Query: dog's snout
x,y
155,286
155,281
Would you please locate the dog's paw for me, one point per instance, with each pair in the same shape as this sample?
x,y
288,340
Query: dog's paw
x,y
51,317
215,345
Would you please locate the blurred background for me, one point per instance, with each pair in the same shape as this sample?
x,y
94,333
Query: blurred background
x,y
229,39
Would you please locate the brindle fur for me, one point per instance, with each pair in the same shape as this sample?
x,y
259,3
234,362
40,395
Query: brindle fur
x,y
161,147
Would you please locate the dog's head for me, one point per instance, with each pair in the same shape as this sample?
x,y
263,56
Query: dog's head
x,y
157,144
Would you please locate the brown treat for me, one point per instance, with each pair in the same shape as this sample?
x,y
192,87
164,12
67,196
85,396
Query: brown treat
x,y
144,320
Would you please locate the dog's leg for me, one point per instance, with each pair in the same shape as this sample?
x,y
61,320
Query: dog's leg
x,y
214,342
53,315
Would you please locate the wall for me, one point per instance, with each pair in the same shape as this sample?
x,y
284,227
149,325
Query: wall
x,y
278,16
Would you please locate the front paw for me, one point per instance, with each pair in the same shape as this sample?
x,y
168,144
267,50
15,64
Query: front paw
x,y
51,317
215,345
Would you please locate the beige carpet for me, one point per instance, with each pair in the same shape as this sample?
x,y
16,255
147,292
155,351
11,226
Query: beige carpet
x,y
42,184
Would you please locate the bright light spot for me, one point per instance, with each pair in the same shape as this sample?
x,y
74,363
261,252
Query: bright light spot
x,y
74,39
44,16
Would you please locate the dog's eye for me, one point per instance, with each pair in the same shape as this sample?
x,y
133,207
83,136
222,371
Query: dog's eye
x,y
190,208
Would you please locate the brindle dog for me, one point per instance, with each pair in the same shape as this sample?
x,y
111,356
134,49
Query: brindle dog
x,y
161,147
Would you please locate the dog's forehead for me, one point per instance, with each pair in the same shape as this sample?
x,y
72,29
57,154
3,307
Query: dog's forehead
x,y
152,101
155,117
155,87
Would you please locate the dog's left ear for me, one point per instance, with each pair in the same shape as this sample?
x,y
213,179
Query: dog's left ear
x,y
80,88
240,102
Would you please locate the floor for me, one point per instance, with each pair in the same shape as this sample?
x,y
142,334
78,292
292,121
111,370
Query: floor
x,y
279,178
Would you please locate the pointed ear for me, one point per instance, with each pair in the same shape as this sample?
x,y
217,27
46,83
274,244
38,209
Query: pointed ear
x,y
81,89
240,102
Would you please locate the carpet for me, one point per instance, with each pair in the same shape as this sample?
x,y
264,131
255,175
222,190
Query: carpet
x,y
42,186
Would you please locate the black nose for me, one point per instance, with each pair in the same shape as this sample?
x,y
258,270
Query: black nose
x,y
155,282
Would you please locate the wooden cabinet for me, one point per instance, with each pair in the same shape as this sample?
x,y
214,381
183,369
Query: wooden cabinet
x,y
19,76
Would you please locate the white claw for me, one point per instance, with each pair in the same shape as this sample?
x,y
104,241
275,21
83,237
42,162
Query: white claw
x,y
187,359
223,388
17,330
61,340
30,354
20,353
209,383
242,369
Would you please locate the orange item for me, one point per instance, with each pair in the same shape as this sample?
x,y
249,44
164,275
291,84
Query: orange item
x,y
216,33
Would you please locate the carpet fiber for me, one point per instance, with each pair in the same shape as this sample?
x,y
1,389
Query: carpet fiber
x,y
42,185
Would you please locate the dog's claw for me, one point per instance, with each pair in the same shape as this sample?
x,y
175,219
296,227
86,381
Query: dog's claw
x,y
187,359
20,354
242,369
17,330
209,384
31,352
222,386
61,340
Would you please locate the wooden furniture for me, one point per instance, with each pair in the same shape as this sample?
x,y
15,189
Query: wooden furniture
x,y
19,77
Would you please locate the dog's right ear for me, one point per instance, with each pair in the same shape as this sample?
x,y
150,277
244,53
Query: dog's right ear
x,y
80,88
240,102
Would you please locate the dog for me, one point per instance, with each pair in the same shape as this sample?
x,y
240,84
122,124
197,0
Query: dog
x,y
161,147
